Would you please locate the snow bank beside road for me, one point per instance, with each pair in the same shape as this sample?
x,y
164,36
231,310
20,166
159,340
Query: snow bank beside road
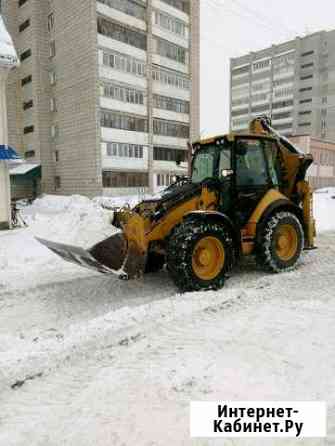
x,y
75,220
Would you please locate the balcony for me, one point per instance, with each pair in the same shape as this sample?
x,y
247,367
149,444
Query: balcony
x,y
122,13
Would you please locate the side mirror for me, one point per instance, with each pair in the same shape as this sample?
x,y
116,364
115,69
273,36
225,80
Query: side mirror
x,y
225,173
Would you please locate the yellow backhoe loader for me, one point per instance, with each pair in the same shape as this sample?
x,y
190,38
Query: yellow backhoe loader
x,y
247,194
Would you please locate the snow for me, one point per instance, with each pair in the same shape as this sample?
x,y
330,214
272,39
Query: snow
x,y
8,56
324,209
22,168
88,359
75,220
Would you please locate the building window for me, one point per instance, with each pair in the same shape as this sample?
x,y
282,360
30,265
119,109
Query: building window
x,y
167,154
53,105
284,92
120,121
242,122
171,78
307,65
243,111
324,100
261,65
28,104
129,7
259,109
182,5
25,55
283,104
22,2
28,129
123,94
286,80
51,22
124,150
52,49
284,64
170,23
171,104
24,25
127,64
58,182
306,112
309,76
304,124
284,127
170,128
52,77
283,115
241,70
122,33
168,49
56,156
125,179
305,101
164,179
242,101
29,154
26,80
302,90
308,53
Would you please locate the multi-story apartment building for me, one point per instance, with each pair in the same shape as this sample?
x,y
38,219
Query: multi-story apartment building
x,y
293,82
107,94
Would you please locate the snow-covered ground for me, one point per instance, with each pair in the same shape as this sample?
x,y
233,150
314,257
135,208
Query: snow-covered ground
x,y
87,359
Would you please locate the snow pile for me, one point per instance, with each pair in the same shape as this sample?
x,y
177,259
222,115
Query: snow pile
x,y
118,202
127,200
8,56
324,209
76,220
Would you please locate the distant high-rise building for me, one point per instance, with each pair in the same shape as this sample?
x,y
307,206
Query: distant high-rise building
x,y
107,94
293,82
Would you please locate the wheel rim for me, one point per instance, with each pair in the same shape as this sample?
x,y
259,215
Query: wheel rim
x,y
208,258
287,242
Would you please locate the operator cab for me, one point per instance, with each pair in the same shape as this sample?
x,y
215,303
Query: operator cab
x,y
244,166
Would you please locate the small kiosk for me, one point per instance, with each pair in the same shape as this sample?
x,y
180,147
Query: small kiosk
x,y
8,61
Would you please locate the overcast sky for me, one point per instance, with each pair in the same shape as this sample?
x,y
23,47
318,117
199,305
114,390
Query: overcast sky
x,y
231,28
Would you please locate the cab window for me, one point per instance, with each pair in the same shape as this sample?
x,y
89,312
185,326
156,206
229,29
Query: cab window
x,y
251,169
271,152
204,164
225,160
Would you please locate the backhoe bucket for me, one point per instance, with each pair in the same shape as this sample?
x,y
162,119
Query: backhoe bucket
x,y
114,255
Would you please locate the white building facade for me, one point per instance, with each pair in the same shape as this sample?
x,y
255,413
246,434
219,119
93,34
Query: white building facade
x,y
293,82
108,95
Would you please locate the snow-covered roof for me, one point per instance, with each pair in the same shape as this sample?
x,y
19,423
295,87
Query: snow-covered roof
x,y
8,56
23,168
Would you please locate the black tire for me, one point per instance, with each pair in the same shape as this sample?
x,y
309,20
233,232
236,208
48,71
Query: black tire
x,y
180,250
155,262
267,253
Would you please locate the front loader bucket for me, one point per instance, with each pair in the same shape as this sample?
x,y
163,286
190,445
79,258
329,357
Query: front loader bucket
x,y
114,255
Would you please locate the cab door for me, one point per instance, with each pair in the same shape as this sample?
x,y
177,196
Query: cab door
x,y
225,171
252,175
